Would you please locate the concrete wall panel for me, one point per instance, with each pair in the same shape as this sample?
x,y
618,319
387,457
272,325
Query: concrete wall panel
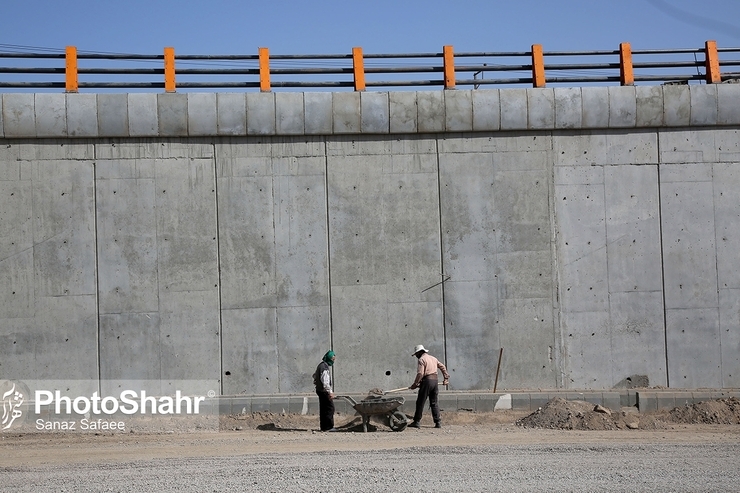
x,y
289,113
189,330
250,351
568,107
689,246
303,337
247,235
726,186
82,115
113,115
172,114
729,322
586,337
402,108
486,110
649,110
60,341
202,114
694,357
637,338
458,111
633,228
374,112
127,240
64,231
531,355
19,115
581,247
143,115
51,115
261,113
541,108
473,335
231,110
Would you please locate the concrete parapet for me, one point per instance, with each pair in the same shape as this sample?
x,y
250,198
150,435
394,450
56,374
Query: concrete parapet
x,y
212,114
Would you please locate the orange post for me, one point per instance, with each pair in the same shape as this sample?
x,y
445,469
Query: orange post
x,y
169,69
449,66
538,66
626,73
712,62
358,66
264,69
71,84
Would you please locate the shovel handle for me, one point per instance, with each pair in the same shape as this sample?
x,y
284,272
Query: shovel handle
x,y
395,390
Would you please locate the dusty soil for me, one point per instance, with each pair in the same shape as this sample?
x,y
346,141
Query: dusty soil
x,y
558,422
579,415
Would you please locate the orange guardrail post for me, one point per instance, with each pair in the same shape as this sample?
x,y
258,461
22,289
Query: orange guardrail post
x,y
538,66
626,72
449,66
169,69
71,84
358,66
264,69
712,62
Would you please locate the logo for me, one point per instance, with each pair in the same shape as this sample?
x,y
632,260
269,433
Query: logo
x,y
12,395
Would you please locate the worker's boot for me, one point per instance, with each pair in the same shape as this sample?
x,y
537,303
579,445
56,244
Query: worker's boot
x,y
414,424
438,425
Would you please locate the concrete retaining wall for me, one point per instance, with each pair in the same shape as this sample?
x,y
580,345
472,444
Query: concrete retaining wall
x,y
590,232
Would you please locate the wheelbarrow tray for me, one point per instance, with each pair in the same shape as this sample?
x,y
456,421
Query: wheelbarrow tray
x,y
378,406
375,406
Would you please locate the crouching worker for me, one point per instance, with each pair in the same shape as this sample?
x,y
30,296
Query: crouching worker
x,y
323,382
426,382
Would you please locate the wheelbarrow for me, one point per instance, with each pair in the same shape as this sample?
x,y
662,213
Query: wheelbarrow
x,y
379,406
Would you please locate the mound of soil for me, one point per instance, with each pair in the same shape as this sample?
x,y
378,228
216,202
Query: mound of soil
x,y
716,412
580,415
560,414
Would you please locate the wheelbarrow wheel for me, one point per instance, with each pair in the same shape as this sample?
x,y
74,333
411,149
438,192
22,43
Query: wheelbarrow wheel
x,y
397,421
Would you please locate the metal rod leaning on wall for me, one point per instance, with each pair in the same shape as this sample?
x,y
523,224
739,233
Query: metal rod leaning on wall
x,y
498,367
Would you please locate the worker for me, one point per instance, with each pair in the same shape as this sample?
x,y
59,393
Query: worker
x,y
426,382
323,382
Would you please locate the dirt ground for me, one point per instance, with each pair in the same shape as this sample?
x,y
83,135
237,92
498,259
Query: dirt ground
x,y
559,421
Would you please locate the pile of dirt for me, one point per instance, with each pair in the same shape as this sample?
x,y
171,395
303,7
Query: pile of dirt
x,y
561,414
716,412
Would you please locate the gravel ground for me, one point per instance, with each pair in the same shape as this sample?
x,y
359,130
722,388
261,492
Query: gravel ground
x,y
560,467
565,446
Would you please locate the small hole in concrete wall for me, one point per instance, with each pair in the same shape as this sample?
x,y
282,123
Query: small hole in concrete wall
x,y
227,373
388,373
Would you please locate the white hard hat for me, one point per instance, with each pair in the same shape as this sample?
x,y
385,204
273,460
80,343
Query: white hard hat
x,y
418,348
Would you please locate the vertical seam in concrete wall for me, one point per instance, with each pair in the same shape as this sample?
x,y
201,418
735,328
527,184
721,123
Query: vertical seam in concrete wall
x,y
555,275
441,249
273,184
608,291
716,270
97,263
218,274
662,264
328,251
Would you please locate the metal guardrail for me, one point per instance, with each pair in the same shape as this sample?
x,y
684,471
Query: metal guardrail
x,y
73,71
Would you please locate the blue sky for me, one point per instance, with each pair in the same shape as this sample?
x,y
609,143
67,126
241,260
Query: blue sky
x,y
217,27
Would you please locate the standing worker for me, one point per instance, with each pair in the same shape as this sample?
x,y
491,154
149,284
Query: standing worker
x,y
323,382
426,382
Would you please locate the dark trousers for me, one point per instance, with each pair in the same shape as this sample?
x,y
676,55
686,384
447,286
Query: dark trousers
x,y
326,411
427,389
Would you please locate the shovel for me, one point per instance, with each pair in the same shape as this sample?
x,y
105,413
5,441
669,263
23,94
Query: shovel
x,y
383,392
